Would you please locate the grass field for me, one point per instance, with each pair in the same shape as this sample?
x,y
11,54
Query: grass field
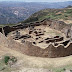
x,y
2,25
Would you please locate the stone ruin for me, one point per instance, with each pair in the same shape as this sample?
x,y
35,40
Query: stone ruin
x,y
57,46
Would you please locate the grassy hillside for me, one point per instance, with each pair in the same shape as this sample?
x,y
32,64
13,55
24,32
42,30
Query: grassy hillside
x,y
3,25
56,14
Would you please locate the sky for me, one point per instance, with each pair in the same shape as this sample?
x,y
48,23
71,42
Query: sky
x,y
38,0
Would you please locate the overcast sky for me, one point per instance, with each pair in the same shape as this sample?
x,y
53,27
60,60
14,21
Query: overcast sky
x,y
38,0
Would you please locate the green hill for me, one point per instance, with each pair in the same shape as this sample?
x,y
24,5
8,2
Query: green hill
x,y
55,14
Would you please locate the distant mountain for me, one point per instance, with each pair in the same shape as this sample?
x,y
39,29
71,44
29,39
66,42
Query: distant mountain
x,y
14,12
69,6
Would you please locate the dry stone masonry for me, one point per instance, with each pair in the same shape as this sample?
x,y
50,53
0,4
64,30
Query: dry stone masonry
x,y
30,38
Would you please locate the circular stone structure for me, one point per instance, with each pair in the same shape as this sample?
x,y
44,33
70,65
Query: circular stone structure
x,y
47,38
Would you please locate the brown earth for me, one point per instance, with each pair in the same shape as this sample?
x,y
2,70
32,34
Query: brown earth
x,y
30,63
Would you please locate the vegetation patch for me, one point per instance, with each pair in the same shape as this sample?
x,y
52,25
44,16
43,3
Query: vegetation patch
x,y
9,60
55,14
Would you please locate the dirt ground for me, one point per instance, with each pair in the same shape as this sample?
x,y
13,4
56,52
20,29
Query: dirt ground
x,y
28,63
35,64
66,21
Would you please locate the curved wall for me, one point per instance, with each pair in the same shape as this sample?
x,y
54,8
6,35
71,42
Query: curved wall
x,y
50,52
58,25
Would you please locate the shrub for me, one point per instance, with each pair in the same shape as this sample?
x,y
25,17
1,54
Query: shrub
x,y
31,19
10,58
6,59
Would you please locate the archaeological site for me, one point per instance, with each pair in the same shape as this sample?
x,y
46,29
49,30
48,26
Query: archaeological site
x,y
47,38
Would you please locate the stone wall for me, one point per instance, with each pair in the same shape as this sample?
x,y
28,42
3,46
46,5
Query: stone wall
x,y
8,29
58,25
29,49
50,52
